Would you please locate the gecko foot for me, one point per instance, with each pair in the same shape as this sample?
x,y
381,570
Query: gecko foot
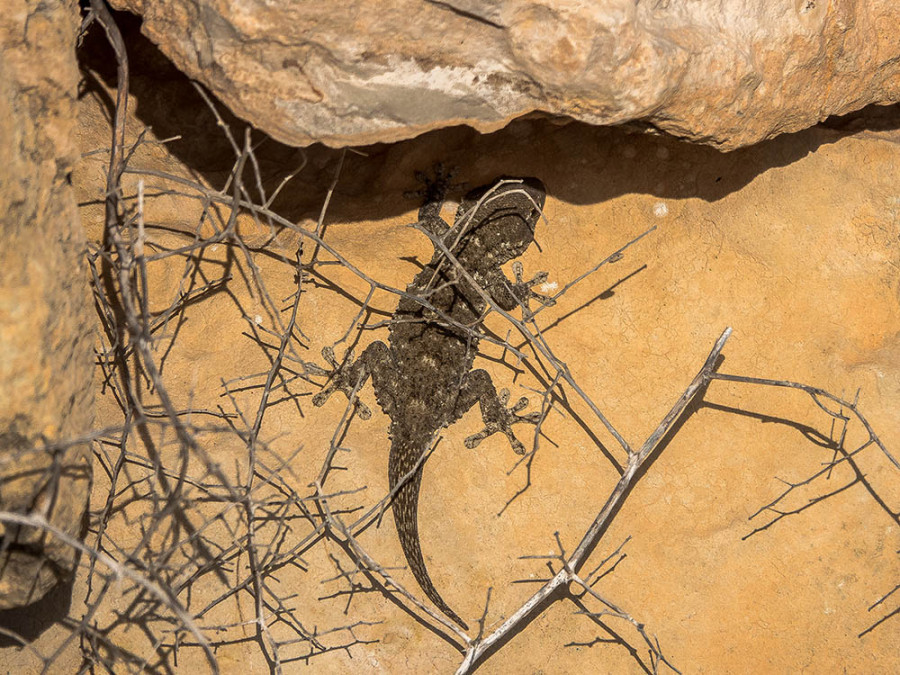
x,y
500,418
435,188
523,290
343,377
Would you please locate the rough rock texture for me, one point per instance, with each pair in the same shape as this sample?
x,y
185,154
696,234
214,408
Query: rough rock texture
x,y
45,320
727,73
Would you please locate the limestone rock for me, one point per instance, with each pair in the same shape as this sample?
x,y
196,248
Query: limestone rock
x,y
45,319
728,74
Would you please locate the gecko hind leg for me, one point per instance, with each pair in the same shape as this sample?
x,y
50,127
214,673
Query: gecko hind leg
x,y
494,411
351,374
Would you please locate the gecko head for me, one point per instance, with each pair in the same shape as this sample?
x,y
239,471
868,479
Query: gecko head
x,y
509,211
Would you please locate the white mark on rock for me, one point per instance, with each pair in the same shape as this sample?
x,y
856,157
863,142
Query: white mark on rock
x,y
660,210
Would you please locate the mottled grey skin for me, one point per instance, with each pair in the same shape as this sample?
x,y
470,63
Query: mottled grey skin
x,y
423,379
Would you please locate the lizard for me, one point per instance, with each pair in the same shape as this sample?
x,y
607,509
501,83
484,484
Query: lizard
x,y
423,379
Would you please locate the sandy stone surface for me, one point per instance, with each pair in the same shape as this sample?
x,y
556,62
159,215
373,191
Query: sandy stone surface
x,y
793,243
46,395
727,73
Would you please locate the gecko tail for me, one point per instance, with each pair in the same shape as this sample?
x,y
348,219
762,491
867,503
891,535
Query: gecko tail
x,y
405,508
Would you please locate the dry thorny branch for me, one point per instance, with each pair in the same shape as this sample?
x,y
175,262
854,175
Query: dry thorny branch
x,y
180,539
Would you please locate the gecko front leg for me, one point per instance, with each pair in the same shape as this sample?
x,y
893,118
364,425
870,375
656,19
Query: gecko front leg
x,y
432,194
